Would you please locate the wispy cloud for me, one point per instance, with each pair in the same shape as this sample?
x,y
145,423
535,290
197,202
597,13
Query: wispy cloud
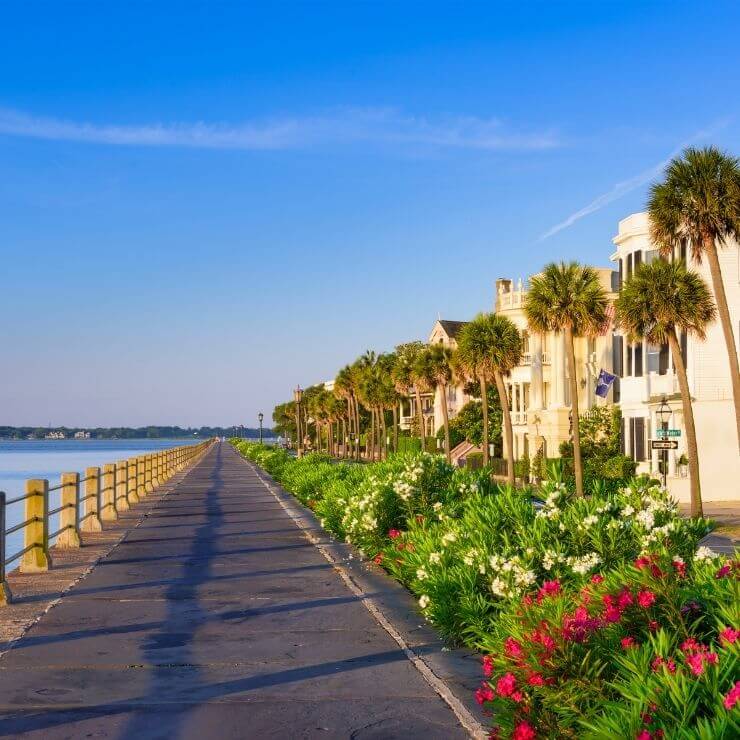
x,y
626,186
339,126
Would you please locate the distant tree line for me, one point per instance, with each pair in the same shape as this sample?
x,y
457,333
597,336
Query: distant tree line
x,y
149,432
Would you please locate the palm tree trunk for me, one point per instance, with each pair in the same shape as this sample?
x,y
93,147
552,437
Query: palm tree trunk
x,y
688,420
358,444
385,433
420,418
484,401
577,463
371,441
395,428
508,433
446,421
720,298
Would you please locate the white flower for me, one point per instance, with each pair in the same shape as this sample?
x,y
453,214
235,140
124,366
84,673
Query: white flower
x,y
628,510
646,518
498,587
448,537
422,574
704,553
585,564
437,506
590,520
435,558
424,601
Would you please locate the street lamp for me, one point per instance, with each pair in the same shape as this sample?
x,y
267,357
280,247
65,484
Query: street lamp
x,y
297,396
260,416
664,414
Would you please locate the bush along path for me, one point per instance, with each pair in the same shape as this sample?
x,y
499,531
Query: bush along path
x,y
598,617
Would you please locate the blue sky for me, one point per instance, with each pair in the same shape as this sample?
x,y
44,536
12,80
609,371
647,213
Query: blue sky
x,y
203,204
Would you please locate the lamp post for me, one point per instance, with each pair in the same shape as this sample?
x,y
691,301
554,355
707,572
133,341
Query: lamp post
x,y
260,416
664,414
297,396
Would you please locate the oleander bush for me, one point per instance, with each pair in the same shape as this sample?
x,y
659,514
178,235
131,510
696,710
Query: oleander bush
x,y
571,600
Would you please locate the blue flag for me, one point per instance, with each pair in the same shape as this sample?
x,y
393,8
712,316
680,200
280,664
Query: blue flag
x,y
604,383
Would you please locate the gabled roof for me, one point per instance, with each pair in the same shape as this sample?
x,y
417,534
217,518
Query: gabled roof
x,y
452,327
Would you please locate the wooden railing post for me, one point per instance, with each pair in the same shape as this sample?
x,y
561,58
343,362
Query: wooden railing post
x,y
122,486
140,487
37,531
132,488
69,516
156,469
148,477
108,509
5,596
91,521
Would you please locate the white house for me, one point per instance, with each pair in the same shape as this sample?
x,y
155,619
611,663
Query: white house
x,y
648,377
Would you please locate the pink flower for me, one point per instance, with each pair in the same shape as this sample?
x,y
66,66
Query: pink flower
x,y
642,562
393,533
653,625
597,578
484,694
723,571
670,664
643,735
487,666
628,642
536,679
733,696
378,559
728,635
625,599
680,567
524,731
506,684
518,697
549,588
645,598
513,649
691,646
612,614
695,662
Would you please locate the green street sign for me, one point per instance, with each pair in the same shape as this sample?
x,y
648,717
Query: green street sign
x,y
664,433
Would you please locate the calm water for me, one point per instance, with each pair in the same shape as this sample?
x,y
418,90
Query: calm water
x,y
50,458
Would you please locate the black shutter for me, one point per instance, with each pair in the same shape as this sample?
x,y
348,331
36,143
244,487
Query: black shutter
x,y
638,259
639,438
663,360
617,356
638,360
628,369
629,266
621,273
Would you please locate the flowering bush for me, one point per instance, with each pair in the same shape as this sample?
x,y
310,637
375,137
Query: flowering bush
x,y
648,649
598,616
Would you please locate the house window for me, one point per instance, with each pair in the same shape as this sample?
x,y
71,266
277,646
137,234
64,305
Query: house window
x,y
638,360
653,355
663,360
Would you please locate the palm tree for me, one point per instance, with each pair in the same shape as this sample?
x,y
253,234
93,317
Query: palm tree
x,y
487,348
405,372
700,201
660,300
343,389
568,298
435,367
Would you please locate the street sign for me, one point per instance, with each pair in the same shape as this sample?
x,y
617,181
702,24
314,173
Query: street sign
x,y
663,433
663,444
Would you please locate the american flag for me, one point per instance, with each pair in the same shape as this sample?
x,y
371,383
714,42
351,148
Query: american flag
x,y
604,328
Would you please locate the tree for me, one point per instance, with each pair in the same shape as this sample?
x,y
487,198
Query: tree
x,y
468,422
699,201
343,389
488,348
404,373
434,367
659,300
568,298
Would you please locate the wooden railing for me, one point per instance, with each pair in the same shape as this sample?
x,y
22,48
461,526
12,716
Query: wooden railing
x,y
107,491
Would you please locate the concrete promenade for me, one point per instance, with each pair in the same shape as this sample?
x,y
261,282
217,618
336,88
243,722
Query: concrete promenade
x,y
216,617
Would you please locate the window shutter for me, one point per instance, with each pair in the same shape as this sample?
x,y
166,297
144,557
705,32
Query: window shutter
x,y
638,360
639,439
663,360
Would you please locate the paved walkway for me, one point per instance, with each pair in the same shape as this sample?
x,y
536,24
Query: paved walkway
x,y
215,618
